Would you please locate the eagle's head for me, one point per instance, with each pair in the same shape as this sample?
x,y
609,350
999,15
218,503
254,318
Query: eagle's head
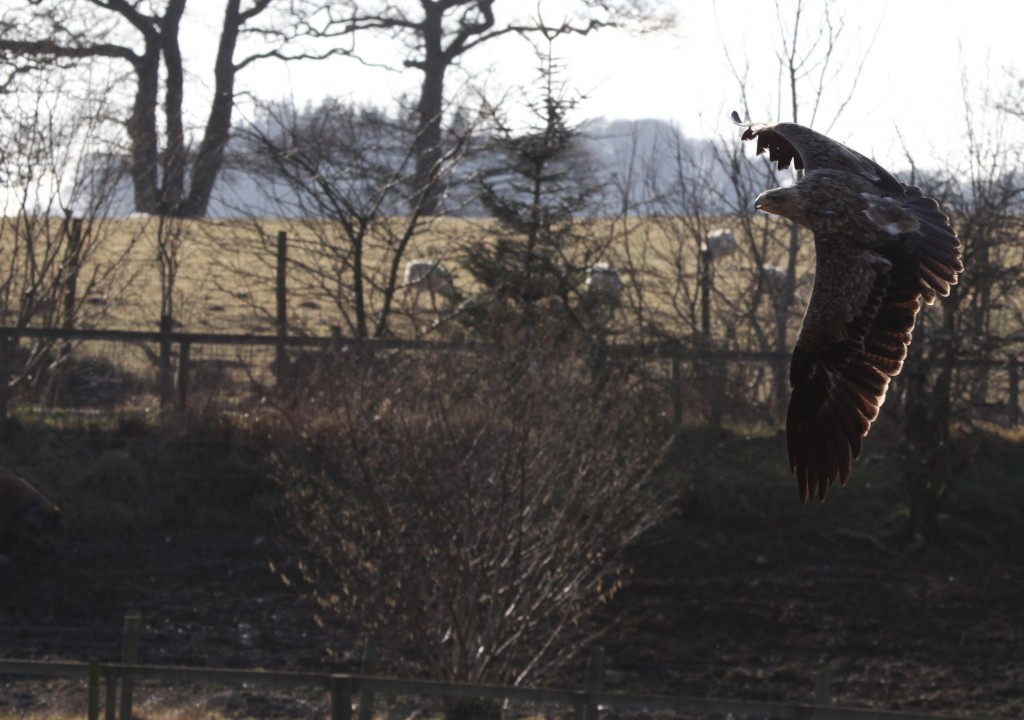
x,y
822,200
789,202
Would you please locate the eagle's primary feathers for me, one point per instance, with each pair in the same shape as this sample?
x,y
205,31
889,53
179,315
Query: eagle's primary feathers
x,y
881,247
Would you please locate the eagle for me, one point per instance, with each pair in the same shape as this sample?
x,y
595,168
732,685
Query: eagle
x,y
881,248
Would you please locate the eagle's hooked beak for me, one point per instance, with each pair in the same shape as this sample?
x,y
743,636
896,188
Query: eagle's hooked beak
x,y
780,201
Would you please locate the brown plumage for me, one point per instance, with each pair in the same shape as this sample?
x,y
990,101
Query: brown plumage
x,y
881,247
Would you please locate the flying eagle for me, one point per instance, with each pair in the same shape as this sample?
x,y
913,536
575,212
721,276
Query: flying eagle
x,y
881,247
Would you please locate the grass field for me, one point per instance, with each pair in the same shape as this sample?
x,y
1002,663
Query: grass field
x,y
225,280
226,270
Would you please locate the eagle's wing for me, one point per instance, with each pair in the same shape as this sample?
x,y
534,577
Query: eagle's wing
x,y
809,150
933,247
867,292
854,338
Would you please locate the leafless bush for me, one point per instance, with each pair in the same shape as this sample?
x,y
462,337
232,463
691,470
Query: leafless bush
x,y
470,512
982,189
57,271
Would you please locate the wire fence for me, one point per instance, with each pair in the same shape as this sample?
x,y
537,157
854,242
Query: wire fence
x,y
90,369
112,689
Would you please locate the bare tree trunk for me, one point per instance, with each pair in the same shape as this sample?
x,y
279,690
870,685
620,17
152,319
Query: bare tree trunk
x,y
142,131
210,155
427,148
175,154
928,458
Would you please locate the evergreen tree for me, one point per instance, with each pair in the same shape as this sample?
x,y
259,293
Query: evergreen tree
x,y
543,195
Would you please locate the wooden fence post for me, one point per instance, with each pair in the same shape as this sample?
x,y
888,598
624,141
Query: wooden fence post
x,y
69,279
1013,402
595,682
822,692
823,686
706,285
72,261
164,379
710,371
129,656
586,708
94,689
341,697
280,354
716,397
110,704
184,354
369,668
6,345
677,387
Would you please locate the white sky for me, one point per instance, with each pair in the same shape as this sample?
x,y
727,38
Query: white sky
x,y
911,55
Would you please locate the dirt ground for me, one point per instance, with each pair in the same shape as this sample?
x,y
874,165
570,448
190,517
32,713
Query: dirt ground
x,y
733,614
752,606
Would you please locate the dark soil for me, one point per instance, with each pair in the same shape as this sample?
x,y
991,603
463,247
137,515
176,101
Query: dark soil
x,y
766,611
752,605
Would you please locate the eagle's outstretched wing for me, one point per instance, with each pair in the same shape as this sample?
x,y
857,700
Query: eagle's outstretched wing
x,y
806,149
854,338
881,248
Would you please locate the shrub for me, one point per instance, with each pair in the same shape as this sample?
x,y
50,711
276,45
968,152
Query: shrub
x,y
470,511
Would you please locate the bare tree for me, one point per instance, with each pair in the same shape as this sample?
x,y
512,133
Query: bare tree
x,y
56,270
475,520
342,172
699,258
167,176
435,35
983,319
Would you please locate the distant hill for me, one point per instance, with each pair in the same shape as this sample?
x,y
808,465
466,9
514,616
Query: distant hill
x,y
645,165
